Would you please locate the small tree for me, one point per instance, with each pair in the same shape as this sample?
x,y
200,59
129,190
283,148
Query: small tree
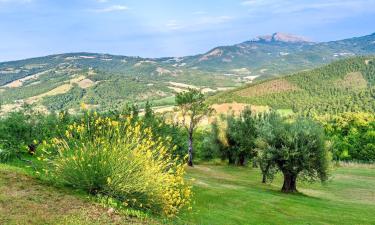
x,y
241,134
193,108
267,125
299,151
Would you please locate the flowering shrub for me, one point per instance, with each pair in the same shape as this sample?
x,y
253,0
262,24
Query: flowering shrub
x,y
118,159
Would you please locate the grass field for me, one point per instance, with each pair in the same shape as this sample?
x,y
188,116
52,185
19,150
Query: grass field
x,y
230,195
222,195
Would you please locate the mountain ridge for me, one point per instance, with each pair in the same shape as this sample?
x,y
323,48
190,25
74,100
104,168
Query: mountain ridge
x,y
282,37
105,81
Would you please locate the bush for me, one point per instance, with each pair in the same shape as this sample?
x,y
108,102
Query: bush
x,y
22,131
353,136
117,158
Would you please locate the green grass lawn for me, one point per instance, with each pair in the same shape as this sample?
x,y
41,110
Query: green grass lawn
x,y
222,195
230,195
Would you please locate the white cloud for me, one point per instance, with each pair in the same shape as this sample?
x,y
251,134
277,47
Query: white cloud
x,y
112,8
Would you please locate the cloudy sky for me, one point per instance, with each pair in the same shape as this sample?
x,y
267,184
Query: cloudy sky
x,y
30,28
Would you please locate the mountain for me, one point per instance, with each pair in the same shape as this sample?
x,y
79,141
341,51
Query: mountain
x,y
273,55
342,86
103,81
282,37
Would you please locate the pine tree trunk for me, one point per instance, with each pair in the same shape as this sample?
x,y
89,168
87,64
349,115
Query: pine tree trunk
x,y
190,150
290,184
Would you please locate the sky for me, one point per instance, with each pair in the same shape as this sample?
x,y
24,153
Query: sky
x,y
31,28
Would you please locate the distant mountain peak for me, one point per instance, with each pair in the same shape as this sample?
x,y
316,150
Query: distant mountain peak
x,y
282,37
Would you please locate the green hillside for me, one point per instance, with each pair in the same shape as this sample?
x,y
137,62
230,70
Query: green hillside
x,y
345,85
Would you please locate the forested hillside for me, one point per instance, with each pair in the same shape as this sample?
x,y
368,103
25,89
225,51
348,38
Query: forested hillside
x,y
345,85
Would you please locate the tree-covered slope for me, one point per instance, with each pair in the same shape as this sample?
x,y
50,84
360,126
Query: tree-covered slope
x,y
345,85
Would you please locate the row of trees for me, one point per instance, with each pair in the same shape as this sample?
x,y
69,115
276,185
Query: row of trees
x,y
296,148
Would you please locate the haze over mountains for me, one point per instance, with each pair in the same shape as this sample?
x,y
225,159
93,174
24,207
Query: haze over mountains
x,y
106,81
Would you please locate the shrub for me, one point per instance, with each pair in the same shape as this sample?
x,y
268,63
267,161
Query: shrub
x,y
353,136
117,158
22,131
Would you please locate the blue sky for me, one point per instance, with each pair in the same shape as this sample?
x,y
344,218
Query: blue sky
x,y
32,28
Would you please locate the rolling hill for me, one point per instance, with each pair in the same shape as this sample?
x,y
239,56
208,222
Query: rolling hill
x,y
103,81
345,85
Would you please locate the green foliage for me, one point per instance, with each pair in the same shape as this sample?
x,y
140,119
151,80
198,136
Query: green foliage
x,y
267,127
298,150
353,136
208,144
22,131
240,135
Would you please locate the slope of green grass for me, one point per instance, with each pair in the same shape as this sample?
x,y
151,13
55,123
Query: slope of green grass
x,y
230,195
222,195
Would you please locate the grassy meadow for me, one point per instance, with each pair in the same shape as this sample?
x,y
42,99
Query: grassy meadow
x,y
232,195
222,195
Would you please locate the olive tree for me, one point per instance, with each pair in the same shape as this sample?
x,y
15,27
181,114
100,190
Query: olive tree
x,y
267,125
192,106
241,134
298,150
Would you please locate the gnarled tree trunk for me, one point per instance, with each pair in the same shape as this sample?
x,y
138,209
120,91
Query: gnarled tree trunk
x,y
290,184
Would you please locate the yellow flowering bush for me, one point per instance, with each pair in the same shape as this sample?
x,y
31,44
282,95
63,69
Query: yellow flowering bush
x,y
119,159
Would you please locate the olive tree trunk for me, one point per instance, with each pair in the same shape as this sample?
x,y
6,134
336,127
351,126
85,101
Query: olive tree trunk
x,y
241,160
264,178
290,184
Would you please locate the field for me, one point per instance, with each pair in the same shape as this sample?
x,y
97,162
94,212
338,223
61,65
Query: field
x,y
222,195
